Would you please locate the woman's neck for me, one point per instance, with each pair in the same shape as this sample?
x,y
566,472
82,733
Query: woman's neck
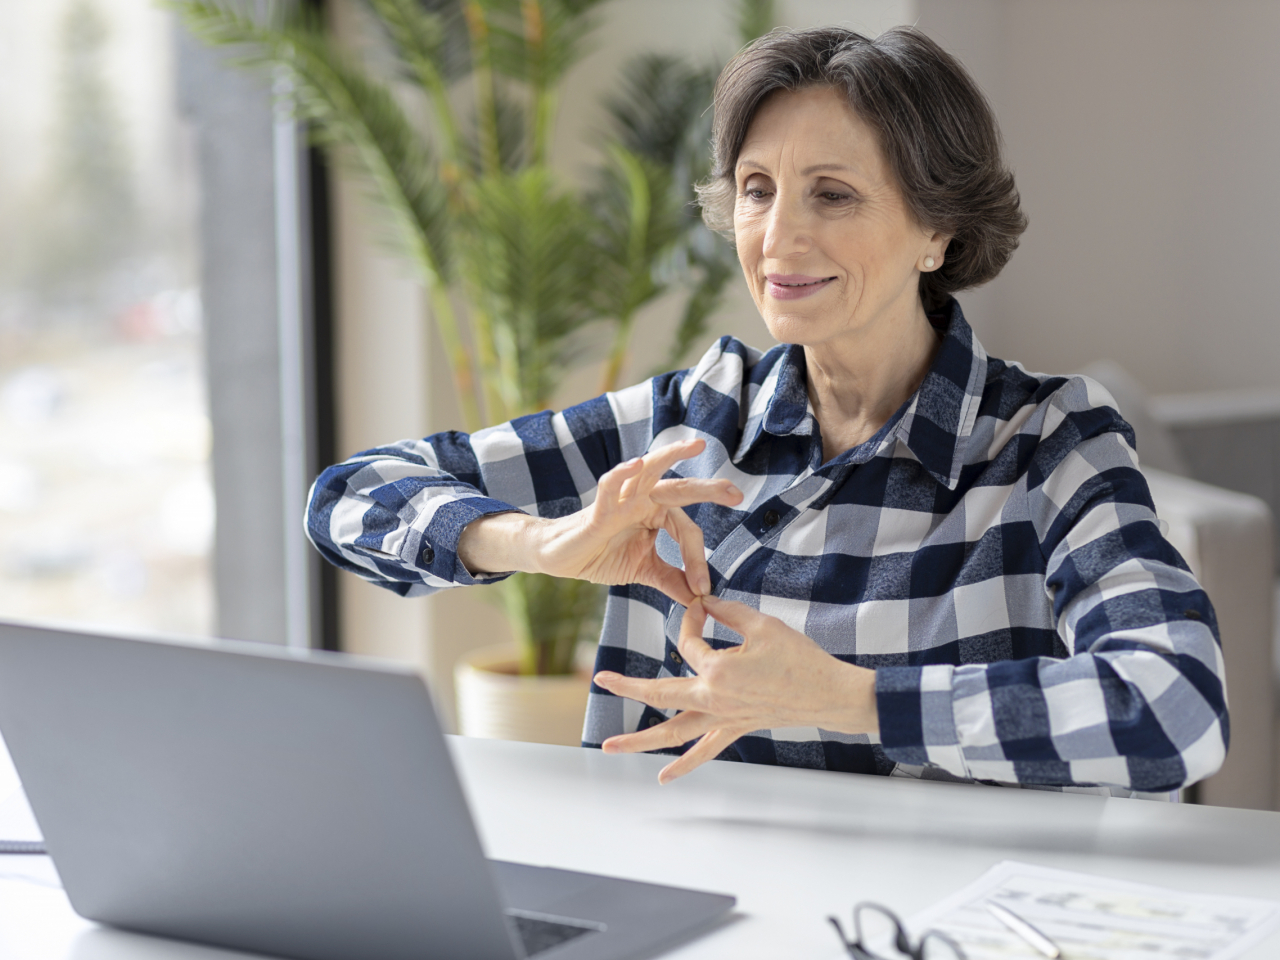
x,y
858,380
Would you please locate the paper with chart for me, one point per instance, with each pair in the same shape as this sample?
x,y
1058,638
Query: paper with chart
x,y
1095,918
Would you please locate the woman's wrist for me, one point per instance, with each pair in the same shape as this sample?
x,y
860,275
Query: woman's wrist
x,y
850,703
503,543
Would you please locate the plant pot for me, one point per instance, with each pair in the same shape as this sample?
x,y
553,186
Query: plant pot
x,y
495,702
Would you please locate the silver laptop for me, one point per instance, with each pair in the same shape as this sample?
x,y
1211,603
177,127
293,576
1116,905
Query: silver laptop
x,y
303,805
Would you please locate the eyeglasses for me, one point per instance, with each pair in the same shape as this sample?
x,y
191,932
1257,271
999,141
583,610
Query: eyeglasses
x,y
875,923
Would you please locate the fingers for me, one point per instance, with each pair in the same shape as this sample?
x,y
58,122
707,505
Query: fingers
x,y
688,536
642,476
612,482
692,647
671,581
657,462
686,491
708,748
738,617
665,693
679,730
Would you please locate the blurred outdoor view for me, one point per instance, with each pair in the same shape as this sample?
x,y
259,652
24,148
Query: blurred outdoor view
x,y
106,510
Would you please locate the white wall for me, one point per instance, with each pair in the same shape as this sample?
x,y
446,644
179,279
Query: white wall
x,y
1144,135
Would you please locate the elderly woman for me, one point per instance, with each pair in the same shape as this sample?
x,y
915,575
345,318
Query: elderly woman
x,y
873,548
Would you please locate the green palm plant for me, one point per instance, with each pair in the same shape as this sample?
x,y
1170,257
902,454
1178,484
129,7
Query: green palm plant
x,y
484,218
660,114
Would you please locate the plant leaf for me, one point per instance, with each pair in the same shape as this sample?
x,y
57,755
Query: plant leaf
x,y
704,300
755,18
426,42
637,219
529,260
346,107
538,40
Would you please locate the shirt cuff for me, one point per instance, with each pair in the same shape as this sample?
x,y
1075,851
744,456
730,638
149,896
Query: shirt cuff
x,y
437,551
917,721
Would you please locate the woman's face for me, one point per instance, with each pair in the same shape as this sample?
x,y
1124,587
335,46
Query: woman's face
x,y
823,234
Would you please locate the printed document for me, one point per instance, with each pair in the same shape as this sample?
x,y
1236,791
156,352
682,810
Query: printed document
x,y
1095,918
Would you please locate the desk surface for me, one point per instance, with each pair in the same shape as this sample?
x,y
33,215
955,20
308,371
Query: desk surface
x,y
793,845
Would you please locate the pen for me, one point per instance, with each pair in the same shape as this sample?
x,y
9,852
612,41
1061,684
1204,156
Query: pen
x,y
1025,930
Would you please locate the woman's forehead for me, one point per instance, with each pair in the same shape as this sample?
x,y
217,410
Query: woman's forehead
x,y
811,131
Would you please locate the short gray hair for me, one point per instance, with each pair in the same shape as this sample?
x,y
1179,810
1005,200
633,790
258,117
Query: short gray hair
x,y
936,129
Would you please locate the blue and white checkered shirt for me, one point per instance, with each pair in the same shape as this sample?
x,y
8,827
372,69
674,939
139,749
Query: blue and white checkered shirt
x,y
993,552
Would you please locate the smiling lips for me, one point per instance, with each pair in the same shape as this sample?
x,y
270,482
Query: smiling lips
x,y
794,286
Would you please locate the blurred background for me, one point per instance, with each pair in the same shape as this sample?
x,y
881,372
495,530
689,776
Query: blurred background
x,y
106,508
198,310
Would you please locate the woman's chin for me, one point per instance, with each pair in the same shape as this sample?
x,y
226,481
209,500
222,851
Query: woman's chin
x,y
800,330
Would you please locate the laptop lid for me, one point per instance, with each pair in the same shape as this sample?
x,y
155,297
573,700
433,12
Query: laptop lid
x,y
271,801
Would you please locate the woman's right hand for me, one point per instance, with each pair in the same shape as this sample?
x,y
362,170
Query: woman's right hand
x,y
612,540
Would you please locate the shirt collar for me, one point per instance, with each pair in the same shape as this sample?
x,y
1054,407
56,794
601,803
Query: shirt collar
x,y
934,423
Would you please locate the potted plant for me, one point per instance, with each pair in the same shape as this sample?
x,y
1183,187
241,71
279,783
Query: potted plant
x,y
491,229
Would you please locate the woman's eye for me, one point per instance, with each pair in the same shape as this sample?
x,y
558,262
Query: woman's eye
x,y
832,196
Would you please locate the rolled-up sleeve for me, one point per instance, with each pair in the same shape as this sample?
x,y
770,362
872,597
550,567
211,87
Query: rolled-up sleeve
x,y
394,514
1140,702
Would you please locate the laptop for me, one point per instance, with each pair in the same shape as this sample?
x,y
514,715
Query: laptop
x,y
297,804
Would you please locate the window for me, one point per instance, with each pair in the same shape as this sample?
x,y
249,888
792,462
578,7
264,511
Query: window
x,y
106,504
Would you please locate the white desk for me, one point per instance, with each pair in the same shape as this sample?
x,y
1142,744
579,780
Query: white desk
x,y
793,845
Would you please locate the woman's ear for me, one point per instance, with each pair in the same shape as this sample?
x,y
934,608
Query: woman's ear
x,y
935,253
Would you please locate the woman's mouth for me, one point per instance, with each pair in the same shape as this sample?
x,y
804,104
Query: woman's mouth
x,y
794,286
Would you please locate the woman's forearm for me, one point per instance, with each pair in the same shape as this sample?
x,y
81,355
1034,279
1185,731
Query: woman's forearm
x,y
502,543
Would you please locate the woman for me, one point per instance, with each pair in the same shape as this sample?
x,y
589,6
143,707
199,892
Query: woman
x,y
873,548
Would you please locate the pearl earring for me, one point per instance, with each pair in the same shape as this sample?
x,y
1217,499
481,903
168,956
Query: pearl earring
x,y
928,263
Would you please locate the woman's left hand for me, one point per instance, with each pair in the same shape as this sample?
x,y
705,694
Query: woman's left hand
x,y
777,677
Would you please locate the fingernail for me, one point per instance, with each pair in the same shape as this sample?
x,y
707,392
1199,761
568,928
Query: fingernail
x,y
605,676
734,491
704,586
711,599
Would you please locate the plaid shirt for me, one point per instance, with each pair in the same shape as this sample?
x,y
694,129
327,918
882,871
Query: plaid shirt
x,y
993,552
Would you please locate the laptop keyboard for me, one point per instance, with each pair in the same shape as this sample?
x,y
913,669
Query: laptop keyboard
x,y
539,932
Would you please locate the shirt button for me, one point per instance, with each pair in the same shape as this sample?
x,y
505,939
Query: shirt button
x,y
771,519
1191,614
676,658
654,721
428,555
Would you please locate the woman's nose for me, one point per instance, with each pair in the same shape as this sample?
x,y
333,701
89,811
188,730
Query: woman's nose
x,y
786,232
